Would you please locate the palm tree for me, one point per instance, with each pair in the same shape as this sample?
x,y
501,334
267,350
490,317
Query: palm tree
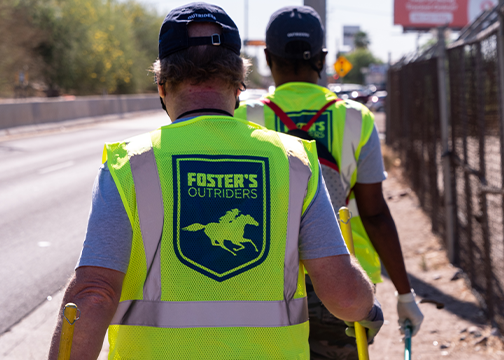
x,y
361,40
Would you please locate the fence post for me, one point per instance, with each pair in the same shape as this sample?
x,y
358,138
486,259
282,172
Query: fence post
x,y
443,111
500,60
500,54
388,113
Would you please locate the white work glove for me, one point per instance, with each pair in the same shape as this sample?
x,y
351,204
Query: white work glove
x,y
372,323
407,309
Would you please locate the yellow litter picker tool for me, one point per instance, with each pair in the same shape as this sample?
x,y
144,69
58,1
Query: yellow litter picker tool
x,y
360,331
70,316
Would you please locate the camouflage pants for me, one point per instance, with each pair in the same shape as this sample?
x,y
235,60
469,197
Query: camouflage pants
x,y
327,333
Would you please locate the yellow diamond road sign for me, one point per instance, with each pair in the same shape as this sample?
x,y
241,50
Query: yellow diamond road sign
x,y
342,66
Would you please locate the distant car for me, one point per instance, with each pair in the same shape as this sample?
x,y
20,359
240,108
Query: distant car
x,y
354,92
377,101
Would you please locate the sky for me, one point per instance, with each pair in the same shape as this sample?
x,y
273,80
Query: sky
x,y
375,17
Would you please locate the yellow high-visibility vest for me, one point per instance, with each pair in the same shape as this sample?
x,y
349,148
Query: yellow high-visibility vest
x,y
344,128
215,205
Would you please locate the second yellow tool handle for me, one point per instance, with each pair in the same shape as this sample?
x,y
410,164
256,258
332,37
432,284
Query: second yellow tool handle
x,y
67,330
360,331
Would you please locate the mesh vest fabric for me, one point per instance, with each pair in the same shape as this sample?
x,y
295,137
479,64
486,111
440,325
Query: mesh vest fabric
x,y
301,101
180,282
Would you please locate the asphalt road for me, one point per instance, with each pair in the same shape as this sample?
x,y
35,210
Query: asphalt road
x,y
45,195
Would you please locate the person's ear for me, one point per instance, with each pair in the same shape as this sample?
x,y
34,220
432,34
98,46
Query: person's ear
x,y
323,55
268,57
237,95
161,91
162,95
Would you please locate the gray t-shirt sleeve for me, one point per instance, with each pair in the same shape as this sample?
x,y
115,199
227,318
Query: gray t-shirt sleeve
x,y
370,169
108,238
319,233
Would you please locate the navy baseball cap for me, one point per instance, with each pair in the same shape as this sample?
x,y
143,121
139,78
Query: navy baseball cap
x,y
174,36
295,23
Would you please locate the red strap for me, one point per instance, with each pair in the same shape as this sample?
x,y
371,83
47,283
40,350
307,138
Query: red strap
x,y
329,164
287,121
347,200
280,113
292,126
317,115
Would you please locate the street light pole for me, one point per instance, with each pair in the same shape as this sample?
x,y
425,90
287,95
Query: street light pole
x,y
246,20
320,7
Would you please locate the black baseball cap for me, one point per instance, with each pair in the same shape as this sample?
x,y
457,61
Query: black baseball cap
x,y
295,23
174,36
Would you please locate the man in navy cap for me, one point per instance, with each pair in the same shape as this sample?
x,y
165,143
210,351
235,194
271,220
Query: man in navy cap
x,y
349,152
195,247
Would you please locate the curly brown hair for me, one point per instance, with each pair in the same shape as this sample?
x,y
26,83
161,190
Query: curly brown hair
x,y
199,64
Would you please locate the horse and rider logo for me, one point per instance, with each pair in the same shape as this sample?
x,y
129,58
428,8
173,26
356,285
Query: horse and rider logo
x,y
230,227
222,226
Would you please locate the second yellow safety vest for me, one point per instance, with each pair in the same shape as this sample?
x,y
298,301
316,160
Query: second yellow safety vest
x,y
343,128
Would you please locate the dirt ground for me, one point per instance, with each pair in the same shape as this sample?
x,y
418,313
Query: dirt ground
x,y
454,326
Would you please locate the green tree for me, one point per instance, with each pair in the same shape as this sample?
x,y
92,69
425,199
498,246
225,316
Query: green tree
x,y
361,40
18,44
144,22
89,46
359,58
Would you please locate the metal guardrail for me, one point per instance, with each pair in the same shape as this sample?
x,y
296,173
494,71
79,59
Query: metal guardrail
x,y
40,111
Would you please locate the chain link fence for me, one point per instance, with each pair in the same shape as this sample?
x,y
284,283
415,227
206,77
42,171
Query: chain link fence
x,y
475,150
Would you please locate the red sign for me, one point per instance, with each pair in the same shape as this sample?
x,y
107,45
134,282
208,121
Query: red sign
x,y
432,13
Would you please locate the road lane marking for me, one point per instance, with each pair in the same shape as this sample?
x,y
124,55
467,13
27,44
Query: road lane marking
x,y
55,167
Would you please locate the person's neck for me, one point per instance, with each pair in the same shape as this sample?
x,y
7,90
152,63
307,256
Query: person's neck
x,y
204,111
202,100
278,83
281,79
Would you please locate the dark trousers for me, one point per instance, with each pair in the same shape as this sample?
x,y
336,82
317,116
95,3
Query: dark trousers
x,y
327,333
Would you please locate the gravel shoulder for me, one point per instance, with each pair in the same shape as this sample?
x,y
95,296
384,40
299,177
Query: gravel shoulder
x,y
454,326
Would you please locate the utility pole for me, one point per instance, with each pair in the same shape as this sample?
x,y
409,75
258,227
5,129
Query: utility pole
x,y
320,7
246,20
445,124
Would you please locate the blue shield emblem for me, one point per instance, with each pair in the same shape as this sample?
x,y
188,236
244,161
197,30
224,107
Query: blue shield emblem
x,y
321,130
221,218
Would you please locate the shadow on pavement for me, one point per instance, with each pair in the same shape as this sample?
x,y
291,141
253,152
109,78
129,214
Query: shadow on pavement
x,y
435,297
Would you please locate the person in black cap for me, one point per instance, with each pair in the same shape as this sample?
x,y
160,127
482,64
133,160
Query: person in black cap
x,y
195,247
349,151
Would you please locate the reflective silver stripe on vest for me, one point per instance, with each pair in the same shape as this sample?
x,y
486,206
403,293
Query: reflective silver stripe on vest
x,y
351,140
150,211
171,314
255,112
299,175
